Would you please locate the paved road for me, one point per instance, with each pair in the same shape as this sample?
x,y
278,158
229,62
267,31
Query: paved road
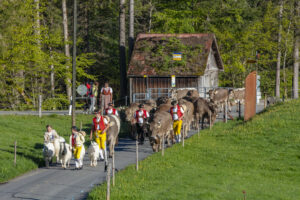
x,y
56,183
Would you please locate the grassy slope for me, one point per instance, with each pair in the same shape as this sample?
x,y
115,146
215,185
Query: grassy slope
x,y
261,157
29,133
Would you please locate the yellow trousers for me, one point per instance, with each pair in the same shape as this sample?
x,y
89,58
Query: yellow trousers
x,y
77,152
177,127
100,139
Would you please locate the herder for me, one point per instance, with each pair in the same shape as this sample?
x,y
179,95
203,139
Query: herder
x,y
177,114
99,128
77,140
50,135
111,110
106,96
141,116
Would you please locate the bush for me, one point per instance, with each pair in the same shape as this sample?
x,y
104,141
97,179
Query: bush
x,y
55,104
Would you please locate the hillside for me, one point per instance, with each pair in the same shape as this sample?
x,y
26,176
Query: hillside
x,y
260,157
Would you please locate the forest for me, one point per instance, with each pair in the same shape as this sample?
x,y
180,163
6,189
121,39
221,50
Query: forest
x,y
36,43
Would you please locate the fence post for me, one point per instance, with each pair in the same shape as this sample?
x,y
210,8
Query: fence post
x,y
163,145
80,125
239,109
113,165
40,105
183,136
210,121
137,153
15,158
108,182
126,101
225,113
265,101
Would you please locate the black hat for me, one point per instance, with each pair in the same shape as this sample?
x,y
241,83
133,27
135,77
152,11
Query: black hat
x,y
141,105
174,102
74,128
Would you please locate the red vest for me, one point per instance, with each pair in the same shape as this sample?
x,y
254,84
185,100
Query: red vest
x,y
179,113
73,140
100,123
113,111
105,92
144,114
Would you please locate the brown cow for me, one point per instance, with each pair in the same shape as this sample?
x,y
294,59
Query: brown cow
x,y
205,109
219,97
236,96
188,116
113,132
161,126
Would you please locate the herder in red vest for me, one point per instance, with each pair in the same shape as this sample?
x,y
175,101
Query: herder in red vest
x,y
106,96
177,114
111,110
141,116
99,128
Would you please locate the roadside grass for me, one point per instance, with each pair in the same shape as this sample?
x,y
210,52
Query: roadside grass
x,y
28,131
260,157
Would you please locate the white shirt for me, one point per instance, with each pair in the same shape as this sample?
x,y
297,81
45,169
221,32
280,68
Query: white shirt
x,y
49,136
175,115
141,116
110,112
104,120
107,89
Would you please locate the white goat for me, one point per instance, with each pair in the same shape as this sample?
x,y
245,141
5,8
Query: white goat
x,y
48,153
94,152
56,144
65,154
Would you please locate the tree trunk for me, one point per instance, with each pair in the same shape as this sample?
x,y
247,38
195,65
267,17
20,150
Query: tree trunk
x,y
131,27
122,57
277,92
296,48
67,48
150,17
284,62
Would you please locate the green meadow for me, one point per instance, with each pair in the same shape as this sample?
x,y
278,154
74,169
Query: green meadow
x,y
260,157
28,131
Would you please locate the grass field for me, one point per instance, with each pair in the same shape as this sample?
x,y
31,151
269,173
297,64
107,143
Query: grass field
x,y
28,131
260,157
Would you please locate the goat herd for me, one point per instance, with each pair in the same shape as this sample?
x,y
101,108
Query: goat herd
x,y
159,127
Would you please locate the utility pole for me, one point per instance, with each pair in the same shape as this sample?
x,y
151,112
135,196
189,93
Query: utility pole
x,y
74,64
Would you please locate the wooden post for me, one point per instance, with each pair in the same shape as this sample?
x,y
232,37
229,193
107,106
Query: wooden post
x,y
126,101
80,125
198,131
183,136
40,105
163,145
210,121
113,165
108,182
239,109
265,101
137,153
225,112
15,159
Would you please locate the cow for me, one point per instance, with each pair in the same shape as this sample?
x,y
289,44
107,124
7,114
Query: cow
x,y
112,132
236,96
219,97
165,107
94,153
129,112
180,93
161,126
188,116
205,109
65,154
162,100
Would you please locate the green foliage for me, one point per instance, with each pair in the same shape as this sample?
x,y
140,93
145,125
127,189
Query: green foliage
x,y
260,157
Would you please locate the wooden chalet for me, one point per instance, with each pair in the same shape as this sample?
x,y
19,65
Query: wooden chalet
x,y
199,67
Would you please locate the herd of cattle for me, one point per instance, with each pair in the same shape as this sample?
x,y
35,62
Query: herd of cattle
x,y
159,127
196,110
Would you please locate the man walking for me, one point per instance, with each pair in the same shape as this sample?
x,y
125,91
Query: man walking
x,y
141,116
111,110
93,96
77,140
99,128
106,96
177,114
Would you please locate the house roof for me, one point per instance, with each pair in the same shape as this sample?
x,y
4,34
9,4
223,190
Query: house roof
x,y
152,54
